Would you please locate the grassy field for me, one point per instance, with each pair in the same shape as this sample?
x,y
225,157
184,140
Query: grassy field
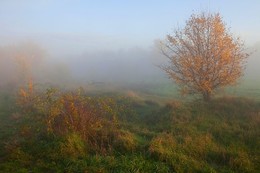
x,y
129,131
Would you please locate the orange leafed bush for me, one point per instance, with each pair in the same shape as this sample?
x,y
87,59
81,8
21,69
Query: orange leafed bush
x,y
62,113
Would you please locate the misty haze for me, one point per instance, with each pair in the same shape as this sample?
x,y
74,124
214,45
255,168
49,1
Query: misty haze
x,y
129,86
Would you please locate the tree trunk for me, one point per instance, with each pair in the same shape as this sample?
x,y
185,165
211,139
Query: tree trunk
x,y
206,96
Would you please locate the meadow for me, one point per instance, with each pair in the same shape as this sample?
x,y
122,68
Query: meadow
x,y
136,131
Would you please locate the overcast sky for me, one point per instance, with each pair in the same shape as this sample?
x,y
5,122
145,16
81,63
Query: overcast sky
x,y
90,25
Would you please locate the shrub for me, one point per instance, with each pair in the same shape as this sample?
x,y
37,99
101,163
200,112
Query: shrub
x,y
73,147
162,146
93,119
125,141
166,148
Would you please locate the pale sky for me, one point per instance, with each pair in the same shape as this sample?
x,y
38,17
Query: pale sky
x,y
85,25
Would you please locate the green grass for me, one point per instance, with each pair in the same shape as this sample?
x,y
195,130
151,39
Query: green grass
x,y
151,136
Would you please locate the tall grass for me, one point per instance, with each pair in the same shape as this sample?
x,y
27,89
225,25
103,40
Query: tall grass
x,y
71,131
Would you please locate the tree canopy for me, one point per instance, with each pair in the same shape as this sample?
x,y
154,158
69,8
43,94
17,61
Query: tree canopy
x,y
204,56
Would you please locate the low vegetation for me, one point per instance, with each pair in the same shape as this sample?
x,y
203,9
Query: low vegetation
x,y
74,131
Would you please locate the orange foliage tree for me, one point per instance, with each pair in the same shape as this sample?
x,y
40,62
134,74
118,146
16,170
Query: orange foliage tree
x,y
204,56
28,57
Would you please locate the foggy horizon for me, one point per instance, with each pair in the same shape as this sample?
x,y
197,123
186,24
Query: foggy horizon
x,y
114,43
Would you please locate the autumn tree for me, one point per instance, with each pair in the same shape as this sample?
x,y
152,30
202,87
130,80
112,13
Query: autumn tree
x,y
28,58
204,56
